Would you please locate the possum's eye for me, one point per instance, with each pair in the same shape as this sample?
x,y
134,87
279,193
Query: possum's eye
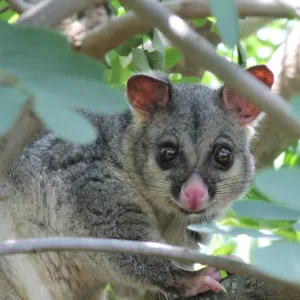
x,y
167,154
223,157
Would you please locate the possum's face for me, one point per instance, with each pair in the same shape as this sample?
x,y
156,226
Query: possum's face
x,y
190,145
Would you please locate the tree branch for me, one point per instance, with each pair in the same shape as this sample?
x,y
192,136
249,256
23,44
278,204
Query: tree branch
x,y
118,30
285,63
192,44
186,255
14,141
52,12
19,5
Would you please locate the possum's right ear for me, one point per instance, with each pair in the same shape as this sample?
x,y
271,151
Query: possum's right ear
x,y
147,94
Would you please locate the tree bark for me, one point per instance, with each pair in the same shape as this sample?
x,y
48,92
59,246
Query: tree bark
x,y
285,64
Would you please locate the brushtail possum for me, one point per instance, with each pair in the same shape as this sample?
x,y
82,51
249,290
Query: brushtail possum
x,y
179,155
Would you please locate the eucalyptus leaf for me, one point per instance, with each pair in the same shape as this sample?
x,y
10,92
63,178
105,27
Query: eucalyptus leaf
x,y
227,230
157,43
281,259
199,22
116,71
64,122
90,95
11,103
139,60
265,210
26,62
242,55
126,48
295,104
281,186
156,60
18,38
172,57
226,14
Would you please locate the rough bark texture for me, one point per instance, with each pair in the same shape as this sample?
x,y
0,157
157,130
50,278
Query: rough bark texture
x,y
285,63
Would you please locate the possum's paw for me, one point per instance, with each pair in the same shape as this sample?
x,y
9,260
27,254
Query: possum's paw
x,y
208,279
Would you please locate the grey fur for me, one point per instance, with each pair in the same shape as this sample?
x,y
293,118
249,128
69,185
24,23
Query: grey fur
x,y
115,189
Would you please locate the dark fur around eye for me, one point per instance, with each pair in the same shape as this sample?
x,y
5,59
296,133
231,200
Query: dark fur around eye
x,y
223,157
167,155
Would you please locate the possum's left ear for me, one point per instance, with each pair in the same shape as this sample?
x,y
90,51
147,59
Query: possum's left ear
x,y
246,112
147,94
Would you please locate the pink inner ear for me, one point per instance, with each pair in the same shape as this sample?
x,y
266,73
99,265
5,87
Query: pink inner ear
x,y
244,111
147,94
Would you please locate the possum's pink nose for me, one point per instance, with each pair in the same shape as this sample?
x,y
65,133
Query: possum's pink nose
x,y
194,194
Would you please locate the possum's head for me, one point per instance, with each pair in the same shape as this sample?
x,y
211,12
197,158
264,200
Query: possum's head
x,y
189,144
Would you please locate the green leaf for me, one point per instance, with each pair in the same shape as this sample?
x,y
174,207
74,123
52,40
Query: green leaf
x,y
242,55
227,230
295,104
26,62
157,44
190,79
90,95
64,122
139,60
265,210
11,103
126,48
199,22
74,80
172,57
116,71
156,60
226,14
281,185
18,38
281,260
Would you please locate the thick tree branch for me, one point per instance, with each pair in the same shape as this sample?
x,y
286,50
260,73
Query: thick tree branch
x,y
19,5
14,141
285,63
192,44
120,29
51,12
185,255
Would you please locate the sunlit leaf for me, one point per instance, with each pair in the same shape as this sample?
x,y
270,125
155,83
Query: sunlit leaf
x,y
281,260
281,185
173,57
227,230
116,71
199,22
226,14
265,210
11,103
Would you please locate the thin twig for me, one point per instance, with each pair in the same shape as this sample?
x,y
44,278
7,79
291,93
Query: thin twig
x,y
119,30
199,49
10,247
51,12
